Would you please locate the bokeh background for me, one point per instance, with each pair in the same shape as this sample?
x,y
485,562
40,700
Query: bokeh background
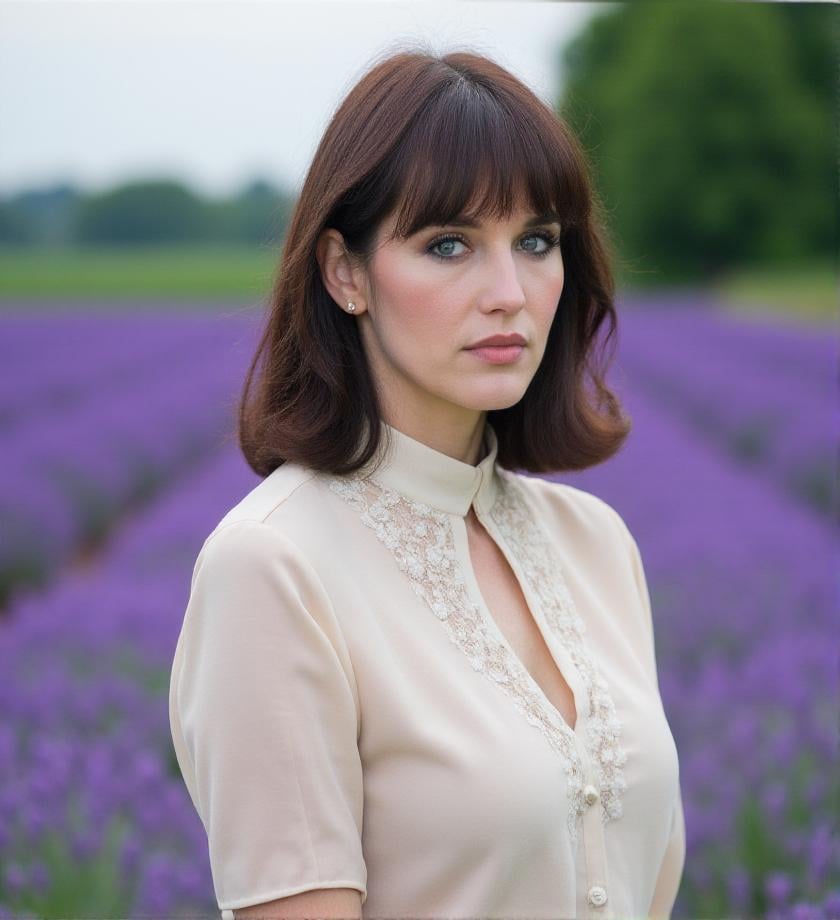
x,y
151,155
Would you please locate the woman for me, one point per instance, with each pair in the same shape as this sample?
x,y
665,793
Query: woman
x,y
412,682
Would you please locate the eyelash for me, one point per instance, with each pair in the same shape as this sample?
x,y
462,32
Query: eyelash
x,y
550,238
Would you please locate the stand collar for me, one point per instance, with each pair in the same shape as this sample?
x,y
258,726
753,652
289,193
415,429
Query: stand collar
x,y
426,475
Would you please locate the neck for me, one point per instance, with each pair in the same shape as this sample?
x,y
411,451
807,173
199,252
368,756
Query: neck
x,y
461,440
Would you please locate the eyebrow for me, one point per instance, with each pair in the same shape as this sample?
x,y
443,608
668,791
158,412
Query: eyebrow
x,y
545,218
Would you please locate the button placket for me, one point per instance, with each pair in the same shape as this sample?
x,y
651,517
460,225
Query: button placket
x,y
595,851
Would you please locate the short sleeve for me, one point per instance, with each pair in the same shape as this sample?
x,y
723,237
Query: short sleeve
x,y
671,869
264,717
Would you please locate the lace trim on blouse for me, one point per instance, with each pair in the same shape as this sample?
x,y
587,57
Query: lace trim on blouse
x,y
423,544
539,561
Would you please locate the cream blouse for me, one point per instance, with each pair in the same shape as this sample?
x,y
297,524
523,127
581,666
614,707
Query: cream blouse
x,y
347,714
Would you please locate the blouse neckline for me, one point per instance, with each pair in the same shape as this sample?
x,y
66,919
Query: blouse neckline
x,y
429,476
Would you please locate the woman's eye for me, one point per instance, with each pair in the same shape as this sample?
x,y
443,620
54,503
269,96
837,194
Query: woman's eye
x,y
540,237
446,242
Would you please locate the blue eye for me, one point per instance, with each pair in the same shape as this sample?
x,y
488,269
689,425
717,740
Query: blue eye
x,y
443,241
550,239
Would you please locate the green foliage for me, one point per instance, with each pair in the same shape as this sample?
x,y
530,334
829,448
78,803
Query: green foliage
x,y
259,215
16,228
38,216
143,213
709,126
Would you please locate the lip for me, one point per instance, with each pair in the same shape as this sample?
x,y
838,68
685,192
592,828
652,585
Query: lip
x,y
500,341
498,354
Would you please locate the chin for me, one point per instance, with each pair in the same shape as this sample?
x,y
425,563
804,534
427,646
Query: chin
x,y
498,395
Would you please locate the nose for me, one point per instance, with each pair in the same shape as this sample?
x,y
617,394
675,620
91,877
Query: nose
x,y
503,289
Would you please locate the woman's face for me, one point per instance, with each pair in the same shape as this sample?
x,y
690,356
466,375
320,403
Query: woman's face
x,y
442,290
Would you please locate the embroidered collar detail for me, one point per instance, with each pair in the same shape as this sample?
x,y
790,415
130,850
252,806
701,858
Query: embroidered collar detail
x,y
420,535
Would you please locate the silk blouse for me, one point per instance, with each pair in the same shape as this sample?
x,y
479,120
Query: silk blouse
x,y
346,713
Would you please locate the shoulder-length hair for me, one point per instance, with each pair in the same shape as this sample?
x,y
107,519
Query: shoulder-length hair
x,y
421,136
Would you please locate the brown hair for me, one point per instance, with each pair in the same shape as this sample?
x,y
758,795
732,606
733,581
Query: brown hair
x,y
422,133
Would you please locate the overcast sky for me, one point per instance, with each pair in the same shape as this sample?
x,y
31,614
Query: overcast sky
x,y
218,93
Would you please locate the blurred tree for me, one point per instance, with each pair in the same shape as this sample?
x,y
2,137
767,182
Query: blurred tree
x,y
710,127
258,214
41,215
815,42
142,212
145,211
16,227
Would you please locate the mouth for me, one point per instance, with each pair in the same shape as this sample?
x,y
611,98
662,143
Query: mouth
x,y
497,354
492,341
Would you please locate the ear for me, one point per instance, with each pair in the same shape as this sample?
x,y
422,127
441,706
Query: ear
x,y
343,279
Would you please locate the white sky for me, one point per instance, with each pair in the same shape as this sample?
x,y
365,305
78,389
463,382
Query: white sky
x,y
218,93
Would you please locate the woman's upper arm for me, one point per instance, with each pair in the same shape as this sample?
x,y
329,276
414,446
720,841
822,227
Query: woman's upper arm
x,y
668,880
264,718
324,903
640,580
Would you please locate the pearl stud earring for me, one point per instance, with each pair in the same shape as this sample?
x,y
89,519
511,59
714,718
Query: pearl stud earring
x,y
351,306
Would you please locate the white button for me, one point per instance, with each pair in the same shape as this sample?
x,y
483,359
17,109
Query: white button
x,y
597,896
590,793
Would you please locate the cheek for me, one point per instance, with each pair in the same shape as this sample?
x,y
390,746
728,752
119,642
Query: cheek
x,y
417,309
547,299
547,312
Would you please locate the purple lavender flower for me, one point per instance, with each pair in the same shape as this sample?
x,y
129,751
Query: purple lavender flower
x,y
740,571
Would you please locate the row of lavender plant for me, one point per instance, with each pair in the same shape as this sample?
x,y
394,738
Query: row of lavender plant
x,y
94,816
760,339
50,362
94,819
743,582
67,475
98,821
766,391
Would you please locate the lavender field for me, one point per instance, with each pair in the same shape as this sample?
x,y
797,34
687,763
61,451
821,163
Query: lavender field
x,y
118,459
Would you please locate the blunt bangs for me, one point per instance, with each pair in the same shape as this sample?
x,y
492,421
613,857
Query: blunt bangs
x,y
472,157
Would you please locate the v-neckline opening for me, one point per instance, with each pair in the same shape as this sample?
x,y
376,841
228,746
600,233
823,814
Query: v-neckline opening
x,y
493,624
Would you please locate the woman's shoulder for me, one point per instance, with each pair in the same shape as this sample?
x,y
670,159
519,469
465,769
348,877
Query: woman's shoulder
x,y
289,513
267,501
570,506
252,528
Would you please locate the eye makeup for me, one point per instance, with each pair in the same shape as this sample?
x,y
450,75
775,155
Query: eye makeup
x,y
551,239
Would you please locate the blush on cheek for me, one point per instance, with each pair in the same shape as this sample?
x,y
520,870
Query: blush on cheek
x,y
421,313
